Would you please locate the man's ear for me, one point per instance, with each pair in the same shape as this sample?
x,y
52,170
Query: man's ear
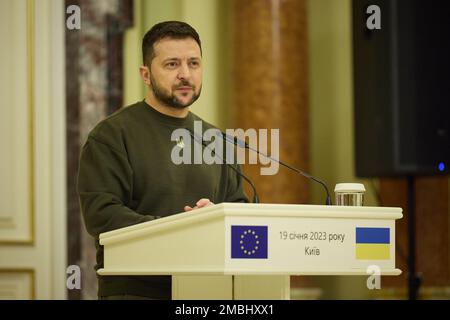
x,y
145,74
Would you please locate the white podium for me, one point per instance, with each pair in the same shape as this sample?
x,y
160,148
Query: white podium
x,y
249,251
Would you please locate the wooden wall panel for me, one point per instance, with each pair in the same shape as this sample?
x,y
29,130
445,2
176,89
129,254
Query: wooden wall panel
x,y
432,229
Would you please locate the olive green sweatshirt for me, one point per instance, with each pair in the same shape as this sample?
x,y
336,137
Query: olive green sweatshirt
x,y
126,176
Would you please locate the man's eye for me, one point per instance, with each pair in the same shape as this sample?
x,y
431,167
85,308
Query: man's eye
x,y
171,64
195,63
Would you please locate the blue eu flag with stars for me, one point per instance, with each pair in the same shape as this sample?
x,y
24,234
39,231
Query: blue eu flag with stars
x,y
249,242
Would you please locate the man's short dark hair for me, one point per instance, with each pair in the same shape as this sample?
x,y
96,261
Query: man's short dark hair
x,y
167,29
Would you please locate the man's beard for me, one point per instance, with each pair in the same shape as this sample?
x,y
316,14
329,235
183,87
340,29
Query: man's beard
x,y
170,99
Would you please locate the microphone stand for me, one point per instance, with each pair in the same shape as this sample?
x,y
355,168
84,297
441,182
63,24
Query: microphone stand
x,y
199,140
243,144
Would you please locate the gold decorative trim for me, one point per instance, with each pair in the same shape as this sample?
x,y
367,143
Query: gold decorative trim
x,y
29,271
30,77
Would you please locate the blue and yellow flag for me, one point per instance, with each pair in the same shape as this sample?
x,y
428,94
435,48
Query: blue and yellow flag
x,y
373,243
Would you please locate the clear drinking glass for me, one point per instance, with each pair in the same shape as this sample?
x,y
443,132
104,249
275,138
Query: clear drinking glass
x,y
349,194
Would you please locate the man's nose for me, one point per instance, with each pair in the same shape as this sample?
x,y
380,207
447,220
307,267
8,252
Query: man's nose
x,y
184,72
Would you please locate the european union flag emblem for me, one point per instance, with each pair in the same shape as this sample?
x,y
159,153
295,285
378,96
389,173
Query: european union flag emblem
x,y
249,242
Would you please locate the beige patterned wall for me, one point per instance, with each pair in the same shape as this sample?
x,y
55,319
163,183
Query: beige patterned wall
x,y
16,125
32,207
17,284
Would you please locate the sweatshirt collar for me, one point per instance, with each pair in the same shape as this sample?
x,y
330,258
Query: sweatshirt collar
x,y
169,120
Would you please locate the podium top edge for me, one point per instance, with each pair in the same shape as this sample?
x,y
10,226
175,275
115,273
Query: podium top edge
x,y
228,209
227,271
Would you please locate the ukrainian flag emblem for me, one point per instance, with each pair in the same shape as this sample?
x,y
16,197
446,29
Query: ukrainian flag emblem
x,y
373,243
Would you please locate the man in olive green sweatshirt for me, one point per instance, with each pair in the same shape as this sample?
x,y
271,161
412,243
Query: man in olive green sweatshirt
x,y
126,174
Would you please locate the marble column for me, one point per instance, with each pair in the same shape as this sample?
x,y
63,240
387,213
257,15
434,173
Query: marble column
x,y
270,88
94,86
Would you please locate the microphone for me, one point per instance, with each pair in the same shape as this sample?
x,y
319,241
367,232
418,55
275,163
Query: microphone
x,y
200,140
243,144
